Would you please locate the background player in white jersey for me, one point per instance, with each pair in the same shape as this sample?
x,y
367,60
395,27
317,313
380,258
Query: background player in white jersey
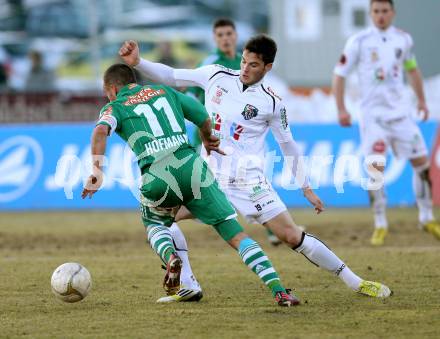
x,y
381,53
243,110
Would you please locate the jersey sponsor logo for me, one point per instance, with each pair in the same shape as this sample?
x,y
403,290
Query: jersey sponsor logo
x,y
144,95
374,56
236,131
379,74
107,111
21,160
398,52
216,121
166,143
343,59
249,112
259,192
217,97
284,121
396,71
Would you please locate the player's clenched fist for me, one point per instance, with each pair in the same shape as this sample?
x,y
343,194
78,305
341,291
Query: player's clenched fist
x,y
344,119
129,52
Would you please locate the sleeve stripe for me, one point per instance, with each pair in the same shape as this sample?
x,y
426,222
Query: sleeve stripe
x,y
110,121
273,99
235,75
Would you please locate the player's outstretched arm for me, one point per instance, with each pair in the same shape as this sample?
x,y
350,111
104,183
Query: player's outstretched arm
x,y
156,72
164,74
99,142
338,89
129,52
416,81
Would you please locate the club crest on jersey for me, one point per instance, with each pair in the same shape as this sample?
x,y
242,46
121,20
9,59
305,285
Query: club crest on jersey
x,y
398,52
236,131
249,112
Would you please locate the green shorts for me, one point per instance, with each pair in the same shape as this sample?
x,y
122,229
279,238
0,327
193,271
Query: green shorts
x,y
183,178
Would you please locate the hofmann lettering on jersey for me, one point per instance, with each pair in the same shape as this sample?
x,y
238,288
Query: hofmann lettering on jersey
x,y
161,144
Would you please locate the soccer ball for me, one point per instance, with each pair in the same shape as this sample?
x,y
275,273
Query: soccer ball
x,y
71,282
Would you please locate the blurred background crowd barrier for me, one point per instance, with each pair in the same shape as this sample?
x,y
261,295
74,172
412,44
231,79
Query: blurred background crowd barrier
x,y
53,54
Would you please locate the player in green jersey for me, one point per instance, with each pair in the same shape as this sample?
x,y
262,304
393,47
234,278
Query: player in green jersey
x,y
150,119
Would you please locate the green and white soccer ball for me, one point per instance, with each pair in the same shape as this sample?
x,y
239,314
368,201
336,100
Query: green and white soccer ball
x,y
71,282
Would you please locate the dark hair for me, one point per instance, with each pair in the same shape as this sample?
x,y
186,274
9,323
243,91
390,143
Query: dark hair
x,y
263,46
391,2
221,22
119,75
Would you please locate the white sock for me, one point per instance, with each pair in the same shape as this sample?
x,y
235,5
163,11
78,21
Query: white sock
x,y
187,278
423,191
320,255
378,201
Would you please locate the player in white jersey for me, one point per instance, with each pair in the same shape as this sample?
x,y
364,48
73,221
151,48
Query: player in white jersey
x,y
243,111
381,53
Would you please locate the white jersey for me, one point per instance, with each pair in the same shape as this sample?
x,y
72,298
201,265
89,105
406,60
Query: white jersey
x,y
242,116
380,57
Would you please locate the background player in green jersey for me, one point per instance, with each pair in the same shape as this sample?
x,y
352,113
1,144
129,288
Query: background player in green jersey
x,y
151,120
225,37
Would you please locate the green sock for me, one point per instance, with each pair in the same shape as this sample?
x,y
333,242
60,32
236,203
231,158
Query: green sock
x,y
255,258
161,241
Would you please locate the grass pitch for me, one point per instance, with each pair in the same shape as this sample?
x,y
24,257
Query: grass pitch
x,y
127,281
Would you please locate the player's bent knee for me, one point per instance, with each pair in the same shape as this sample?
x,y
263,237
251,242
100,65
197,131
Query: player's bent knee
x,y
293,236
230,231
237,239
183,214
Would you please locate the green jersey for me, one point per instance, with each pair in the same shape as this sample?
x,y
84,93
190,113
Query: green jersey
x,y
151,119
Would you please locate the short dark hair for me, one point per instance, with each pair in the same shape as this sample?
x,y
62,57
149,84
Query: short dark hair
x,y
391,2
264,46
222,22
119,75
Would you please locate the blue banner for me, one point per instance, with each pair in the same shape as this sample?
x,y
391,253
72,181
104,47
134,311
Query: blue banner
x,y
45,167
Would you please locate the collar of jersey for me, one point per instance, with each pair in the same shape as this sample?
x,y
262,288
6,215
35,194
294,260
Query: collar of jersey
x,y
259,83
385,32
124,90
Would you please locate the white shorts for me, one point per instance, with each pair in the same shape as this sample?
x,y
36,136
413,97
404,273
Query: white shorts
x,y
401,135
257,202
